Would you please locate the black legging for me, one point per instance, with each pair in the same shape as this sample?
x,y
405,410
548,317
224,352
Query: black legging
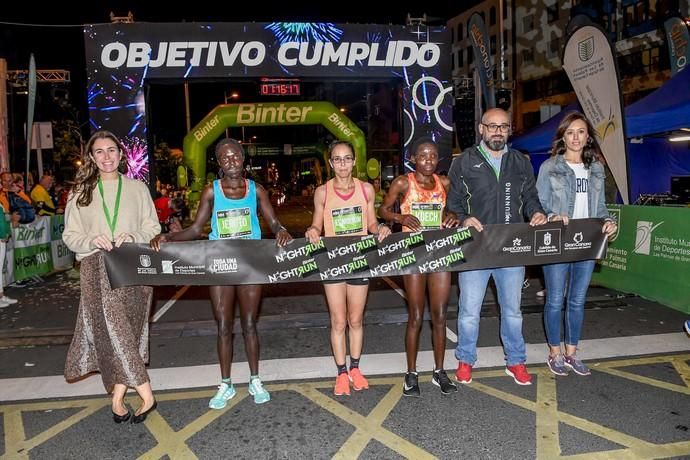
x,y
223,303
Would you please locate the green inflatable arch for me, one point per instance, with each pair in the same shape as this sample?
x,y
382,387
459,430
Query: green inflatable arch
x,y
267,114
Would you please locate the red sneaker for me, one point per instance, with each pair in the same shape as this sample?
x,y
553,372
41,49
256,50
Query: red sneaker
x,y
519,374
464,373
342,385
358,380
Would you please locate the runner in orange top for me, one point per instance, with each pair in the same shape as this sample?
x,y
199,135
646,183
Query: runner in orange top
x,y
344,206
422,196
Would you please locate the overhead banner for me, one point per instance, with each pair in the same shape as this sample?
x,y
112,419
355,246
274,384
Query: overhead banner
x,y
678,40
588,62
482,58
228,262
121,59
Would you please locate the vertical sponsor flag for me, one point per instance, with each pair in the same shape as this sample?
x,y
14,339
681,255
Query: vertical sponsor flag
x,y
30,111
677,37
482,58
588,62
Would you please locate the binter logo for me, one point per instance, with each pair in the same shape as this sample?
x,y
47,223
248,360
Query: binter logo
x,y
643,236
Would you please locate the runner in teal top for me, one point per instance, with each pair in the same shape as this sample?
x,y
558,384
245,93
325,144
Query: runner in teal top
x,y
231,203
235,218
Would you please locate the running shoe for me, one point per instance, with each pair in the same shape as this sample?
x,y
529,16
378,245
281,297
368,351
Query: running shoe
x,y
358,380
8,300
686,325
411,385
519,374
256,389
342,385
225,393
441,380
556,364
464,373
576,365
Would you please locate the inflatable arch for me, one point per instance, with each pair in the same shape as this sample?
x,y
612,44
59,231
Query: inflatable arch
x,y
213,125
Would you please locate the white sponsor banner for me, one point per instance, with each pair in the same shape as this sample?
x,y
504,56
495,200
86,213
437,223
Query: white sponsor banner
x,y
588,61
31,234
63,258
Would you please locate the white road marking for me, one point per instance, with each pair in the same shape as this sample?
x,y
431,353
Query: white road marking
x,y
170,303
176,378
395,287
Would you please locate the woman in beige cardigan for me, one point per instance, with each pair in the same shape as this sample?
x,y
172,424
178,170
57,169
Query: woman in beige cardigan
x,y
106,209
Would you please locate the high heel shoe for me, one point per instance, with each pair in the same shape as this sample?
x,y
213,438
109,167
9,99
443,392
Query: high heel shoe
x,y
142,417
117,418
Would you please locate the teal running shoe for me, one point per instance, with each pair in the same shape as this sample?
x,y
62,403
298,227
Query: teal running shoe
x,y
225,393
256,389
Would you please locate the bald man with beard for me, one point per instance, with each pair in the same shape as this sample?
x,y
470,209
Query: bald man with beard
x,y
493,184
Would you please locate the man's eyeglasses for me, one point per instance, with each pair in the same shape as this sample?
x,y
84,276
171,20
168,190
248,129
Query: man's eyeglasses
x,y
342,160
493,127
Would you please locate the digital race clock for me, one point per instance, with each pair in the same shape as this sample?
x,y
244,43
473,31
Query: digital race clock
x,y
279,89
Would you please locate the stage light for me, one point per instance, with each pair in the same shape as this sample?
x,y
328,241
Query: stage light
x,y
679,138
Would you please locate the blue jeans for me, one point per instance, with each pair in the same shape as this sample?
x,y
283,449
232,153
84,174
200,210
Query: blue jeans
x,y
472,286
577,275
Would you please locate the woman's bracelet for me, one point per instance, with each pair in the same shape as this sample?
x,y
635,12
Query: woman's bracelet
x,y
379,226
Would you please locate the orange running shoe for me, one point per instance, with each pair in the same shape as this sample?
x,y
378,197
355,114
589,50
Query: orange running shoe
x,y
342,385
358,380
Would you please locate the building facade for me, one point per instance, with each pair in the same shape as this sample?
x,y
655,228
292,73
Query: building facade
x,y
536,31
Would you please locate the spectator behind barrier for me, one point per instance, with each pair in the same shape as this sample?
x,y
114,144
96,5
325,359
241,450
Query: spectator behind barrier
x,y
15,201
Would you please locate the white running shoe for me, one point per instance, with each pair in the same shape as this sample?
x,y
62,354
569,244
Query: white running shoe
x,y
8,300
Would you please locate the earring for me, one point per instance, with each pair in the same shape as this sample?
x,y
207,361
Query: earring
x,y
221,174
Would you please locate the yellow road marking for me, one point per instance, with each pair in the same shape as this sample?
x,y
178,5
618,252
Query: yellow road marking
x,y
367,428
370,427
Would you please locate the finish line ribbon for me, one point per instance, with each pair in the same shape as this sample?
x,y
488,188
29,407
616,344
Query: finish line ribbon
x,y
229,262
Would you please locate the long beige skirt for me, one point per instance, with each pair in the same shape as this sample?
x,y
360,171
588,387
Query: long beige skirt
x,y
112,331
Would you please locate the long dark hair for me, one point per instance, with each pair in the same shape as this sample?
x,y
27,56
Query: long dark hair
x,y
590,152
88,174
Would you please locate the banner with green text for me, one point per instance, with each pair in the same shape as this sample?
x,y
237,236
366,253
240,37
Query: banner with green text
x,y
226,262
650,255
32,253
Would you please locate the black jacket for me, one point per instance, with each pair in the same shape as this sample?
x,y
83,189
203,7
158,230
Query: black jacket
x,y
476,192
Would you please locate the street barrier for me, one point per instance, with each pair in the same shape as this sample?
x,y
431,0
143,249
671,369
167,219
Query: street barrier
x,y
650,255
36,249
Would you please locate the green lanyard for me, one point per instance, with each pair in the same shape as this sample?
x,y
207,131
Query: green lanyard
x,y
111,222
486,157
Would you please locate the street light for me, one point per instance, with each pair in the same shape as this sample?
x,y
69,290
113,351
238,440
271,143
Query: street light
x,y
233,95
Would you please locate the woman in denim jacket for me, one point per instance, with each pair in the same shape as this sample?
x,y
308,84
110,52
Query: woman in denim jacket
x,y
571,186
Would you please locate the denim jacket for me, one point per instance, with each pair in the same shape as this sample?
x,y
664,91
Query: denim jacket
x,y
556,188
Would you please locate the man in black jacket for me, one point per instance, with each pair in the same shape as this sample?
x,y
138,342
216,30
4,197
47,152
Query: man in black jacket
x,y
493,184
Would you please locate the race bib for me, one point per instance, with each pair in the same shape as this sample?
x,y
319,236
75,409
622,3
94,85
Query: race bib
x,y
347,220
234,223
429,214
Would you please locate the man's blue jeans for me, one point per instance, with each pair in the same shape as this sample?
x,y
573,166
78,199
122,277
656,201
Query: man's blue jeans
x,y
577,275
472,286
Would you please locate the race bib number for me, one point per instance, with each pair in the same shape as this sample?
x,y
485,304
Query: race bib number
x,y
234,223
347,220
429,214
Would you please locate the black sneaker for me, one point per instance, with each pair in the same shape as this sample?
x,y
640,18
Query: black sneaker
x,y
411,386
441,380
